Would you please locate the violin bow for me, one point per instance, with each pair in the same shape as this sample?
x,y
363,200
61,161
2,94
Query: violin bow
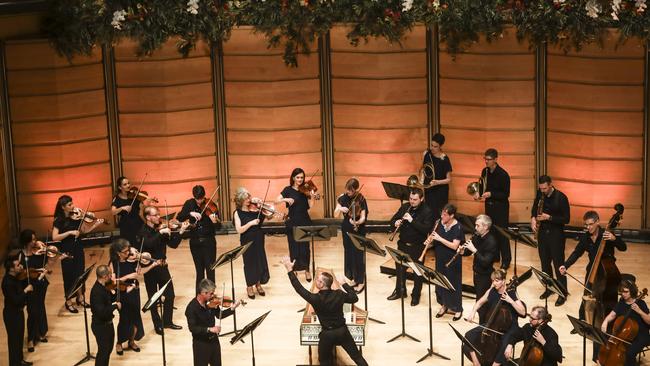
x,y
27,269
117,280
484,327
210,200
223,294
137,266
81,222
268,184
139,188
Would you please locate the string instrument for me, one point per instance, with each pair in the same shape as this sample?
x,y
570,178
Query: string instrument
x,y
307,187
540,210
354,207
603,278
85,216
209,207
533,353
623,333
268,209
50,250
135,256
113,285
392,235
31,273
428,241
499,321
141,196
219,300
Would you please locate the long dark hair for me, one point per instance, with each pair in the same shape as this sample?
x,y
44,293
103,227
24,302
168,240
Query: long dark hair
x,y
118,183
58,210
293,175
117,246
25,237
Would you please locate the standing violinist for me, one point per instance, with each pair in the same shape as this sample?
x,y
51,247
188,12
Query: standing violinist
x,y
155,241
353,260
551,217
414,221
299,204
203,244
127,209
504,307
67,229
638,313
102,307
248,223
436,195
538,331
15,293
37,260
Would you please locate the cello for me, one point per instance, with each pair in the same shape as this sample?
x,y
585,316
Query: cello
x,y
623,333
603,279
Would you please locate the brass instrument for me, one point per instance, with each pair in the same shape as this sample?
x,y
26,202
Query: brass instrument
x,y
540,210
479,186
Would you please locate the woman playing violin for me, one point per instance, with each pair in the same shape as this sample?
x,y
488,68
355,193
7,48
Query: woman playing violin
x,y
353,222
127,209
248,223
639,313
67,229
538,331
299,204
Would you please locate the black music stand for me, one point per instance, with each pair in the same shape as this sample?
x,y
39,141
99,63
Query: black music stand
x,y
397,191
467,222
156,300
76,287
368,246
249,328
402,259
518,238
438,279
549,283
311,234
464,341
587,331
229,257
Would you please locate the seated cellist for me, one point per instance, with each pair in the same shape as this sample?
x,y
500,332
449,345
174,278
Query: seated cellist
x,y
537,333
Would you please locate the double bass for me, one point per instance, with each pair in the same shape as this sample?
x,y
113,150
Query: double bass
x,y
624,332
603,279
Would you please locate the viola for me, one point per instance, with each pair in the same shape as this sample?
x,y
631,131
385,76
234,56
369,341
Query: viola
x,y
216,301
86,216
140,195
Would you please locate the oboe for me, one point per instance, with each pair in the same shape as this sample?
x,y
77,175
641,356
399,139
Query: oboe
x,y
426,246
392,235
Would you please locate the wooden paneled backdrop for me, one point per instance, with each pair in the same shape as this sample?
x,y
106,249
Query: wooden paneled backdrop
x,y
168,107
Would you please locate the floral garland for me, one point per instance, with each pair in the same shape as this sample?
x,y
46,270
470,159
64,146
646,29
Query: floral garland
x,y
76,26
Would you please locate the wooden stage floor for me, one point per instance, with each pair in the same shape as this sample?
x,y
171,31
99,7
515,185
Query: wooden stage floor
x,y
276,341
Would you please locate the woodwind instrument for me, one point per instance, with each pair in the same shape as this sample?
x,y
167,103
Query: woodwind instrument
x,y
457,254
426,246
392,235
540,210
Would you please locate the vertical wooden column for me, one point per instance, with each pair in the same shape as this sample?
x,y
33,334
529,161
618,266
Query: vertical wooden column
x,y
645,214
112,112
7,148
327,124
221,144
433,81
540,110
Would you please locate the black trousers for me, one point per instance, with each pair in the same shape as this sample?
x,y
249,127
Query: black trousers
x,y
105,336
37,326
414,250
551,250
153,280
15,327
482,283
499,212
204,254
328,339
206,353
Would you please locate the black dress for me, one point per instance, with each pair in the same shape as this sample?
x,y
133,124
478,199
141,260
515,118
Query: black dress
x,y
73,266
36,313
129,222
298,216
437,197
453,300
353,261
256,267
130,316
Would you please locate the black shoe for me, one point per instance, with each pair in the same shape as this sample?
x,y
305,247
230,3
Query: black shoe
x,y
396,295
26,363
560,301
30,349
158,330
174,326
573,331
546,294
84,304
456,318
439,314
43,340
120,352
415,301
505,266
71,308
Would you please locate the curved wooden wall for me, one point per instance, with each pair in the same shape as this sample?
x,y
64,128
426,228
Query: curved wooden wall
x,y
272,116
59,130
166,121
379,95
595,128
487,99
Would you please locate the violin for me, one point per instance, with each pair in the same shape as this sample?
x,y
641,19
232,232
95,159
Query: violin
x,y
50,250
354,207
135,255
140,195
209,207
112,285
34,273
86,216
216,301
307,187
268,209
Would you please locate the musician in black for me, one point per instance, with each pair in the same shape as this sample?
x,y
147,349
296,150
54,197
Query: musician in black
x,y
495,195
353,260
484,247
129,211
203,244
206,348
554,215
638,312
102,305
15,295
539,330
328,305
156,242
437,195
414,221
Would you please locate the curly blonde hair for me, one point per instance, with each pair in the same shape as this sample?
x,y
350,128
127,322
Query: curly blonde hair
x,y
240,196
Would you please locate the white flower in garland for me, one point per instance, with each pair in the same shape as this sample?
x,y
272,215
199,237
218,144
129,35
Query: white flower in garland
x,y
593,8
436,4
193,6
407,5
559,2
640,6
118,18
616,7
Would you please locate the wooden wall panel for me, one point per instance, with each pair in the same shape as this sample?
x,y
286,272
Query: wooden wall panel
x,y
379,94
272,116
595,128
166,119
487,99
59,131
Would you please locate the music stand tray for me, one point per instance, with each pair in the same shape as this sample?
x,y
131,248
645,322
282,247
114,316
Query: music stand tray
x,y
549,283
397,191
465,342
367,245
587,330
152,300
250,328
312,234
468,222
80,282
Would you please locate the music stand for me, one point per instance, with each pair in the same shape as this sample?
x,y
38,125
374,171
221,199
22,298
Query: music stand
x,y
397,191
402,259
587,331
229,257
438,279
549,283
468,222
311,234
517,237
156,300
168,217
249,328
76,287
464,341
368,246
